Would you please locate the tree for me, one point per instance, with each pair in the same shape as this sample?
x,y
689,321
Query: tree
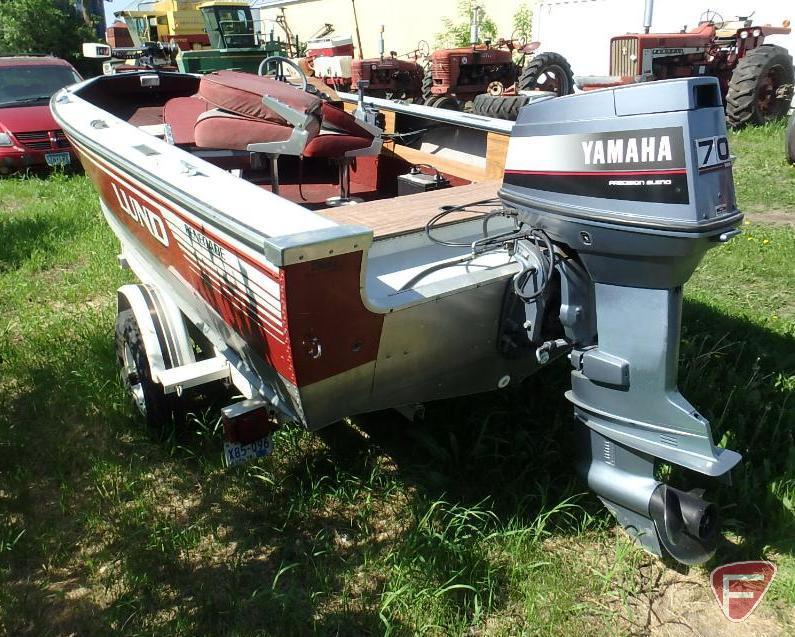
x,y
456,33
42,26
523,22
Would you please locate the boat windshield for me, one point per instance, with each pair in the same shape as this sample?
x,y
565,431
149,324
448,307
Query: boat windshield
x,y
33,84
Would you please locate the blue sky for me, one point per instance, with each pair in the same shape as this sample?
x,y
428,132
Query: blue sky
x,y
116,5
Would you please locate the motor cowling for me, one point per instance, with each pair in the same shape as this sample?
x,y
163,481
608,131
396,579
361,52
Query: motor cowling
x,y
634,184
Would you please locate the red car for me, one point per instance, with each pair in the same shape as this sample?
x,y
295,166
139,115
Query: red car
x,y
29,136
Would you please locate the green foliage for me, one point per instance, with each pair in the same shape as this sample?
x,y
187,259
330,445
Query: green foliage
x,y
42,26
523,22
456,30
469,523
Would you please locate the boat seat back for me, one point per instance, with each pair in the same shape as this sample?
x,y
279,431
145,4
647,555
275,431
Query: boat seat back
x,y
242,93
264,115
181,114
224,130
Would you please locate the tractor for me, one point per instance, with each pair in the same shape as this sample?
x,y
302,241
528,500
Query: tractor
x,y
756,79
331,59
193,37
390,77
488,76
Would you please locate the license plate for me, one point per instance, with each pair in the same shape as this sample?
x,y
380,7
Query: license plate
x,y
58,159
237,453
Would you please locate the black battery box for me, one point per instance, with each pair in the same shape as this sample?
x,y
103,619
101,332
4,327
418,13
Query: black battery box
x,y
416,181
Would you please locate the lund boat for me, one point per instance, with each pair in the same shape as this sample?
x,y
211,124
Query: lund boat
x,y
227,194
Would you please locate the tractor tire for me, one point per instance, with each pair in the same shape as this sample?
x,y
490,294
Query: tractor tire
x,y
757,90
160,411
499,106
427,85
547,72
790,140
447,102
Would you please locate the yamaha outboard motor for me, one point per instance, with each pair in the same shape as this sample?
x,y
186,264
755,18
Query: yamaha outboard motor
x,y
625,189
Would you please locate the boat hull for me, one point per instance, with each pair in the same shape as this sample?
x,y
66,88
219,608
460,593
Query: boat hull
x,y
305,329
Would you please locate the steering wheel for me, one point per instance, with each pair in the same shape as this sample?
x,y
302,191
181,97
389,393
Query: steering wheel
x,y
712,17
280,75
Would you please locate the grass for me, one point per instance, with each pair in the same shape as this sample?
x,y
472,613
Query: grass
x,y
471,523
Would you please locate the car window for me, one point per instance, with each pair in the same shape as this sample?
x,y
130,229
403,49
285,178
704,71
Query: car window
x,y
23,84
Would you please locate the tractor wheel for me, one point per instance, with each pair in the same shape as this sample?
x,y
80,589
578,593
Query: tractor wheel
x,y
547,72
158,409
427,85
499,106
790,140
761,87
447,102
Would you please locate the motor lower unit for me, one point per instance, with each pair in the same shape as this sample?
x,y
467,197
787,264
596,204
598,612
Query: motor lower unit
x,y
630,186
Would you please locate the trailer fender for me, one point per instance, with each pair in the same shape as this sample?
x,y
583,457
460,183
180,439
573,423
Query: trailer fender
x,y
162,327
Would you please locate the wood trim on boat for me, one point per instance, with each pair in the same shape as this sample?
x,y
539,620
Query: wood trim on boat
x,y
496,151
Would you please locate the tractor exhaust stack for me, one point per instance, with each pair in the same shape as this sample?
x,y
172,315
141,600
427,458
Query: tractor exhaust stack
x,y
648,15
474,27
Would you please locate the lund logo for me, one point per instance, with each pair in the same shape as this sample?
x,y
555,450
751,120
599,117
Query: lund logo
x,y
142,215
628,151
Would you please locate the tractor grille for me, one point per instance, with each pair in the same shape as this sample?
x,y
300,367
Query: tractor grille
x,y
43,140
621,51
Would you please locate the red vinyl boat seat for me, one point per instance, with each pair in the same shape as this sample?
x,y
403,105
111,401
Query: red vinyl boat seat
x,y
181,113
219,129
241,94
240,117
340,133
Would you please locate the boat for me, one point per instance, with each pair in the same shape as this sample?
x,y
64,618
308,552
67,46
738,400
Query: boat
x,y
290,246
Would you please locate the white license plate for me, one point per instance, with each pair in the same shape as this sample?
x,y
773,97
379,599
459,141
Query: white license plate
x,y
58,159
237,453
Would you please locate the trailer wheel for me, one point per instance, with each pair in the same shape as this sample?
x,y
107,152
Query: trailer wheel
x,y
547,72
760,90
158,409
790,140
499,106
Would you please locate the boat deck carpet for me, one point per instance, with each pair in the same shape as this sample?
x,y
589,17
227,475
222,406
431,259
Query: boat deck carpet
x,y
410,213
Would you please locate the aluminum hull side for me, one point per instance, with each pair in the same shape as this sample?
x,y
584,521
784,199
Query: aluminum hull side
x,y
294,315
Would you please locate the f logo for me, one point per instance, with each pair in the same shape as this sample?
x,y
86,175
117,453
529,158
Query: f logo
x,y
740,586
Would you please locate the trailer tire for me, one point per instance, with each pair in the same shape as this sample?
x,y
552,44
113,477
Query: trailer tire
x,y
790,140
499,106
755,93
158,409
536,75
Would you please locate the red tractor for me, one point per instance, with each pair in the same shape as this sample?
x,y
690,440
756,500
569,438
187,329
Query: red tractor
x,y
331,60
390,77
756,78
488,76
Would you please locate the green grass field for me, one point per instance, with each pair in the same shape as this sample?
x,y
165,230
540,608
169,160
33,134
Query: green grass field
x,y
471,523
